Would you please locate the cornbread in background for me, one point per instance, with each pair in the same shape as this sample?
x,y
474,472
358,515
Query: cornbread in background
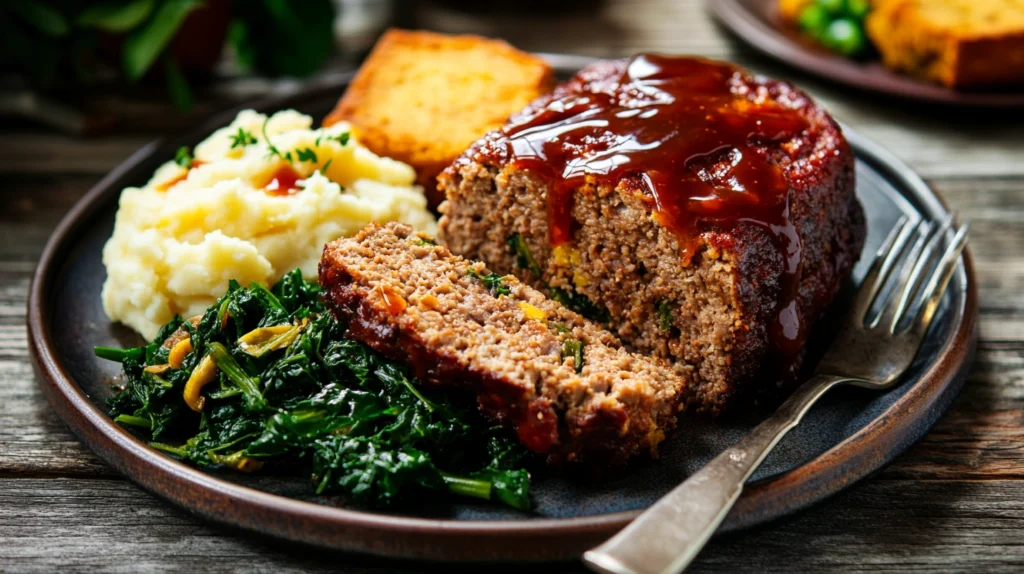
x,y
958,43
422,98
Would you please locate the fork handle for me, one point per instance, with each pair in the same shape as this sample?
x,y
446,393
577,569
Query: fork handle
x,y
668,536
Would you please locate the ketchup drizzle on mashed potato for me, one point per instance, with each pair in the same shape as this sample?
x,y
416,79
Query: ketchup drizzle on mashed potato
x,y
284,181
180,238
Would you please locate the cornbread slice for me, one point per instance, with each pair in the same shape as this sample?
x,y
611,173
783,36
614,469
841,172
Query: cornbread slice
x,y
958,43
423,98
416,302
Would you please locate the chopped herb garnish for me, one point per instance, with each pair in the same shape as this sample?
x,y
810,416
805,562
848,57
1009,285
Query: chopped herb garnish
x,y
423,241
319,403
323,169
342,138
665,308
573,348
580,304
183,157
494,282
524,259
242,138
272,150
306,154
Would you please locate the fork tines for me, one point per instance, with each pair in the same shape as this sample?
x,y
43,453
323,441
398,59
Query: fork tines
x,y
906,281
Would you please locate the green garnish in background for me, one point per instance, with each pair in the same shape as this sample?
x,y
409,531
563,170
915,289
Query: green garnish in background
x,y
837,25
62,45
324,405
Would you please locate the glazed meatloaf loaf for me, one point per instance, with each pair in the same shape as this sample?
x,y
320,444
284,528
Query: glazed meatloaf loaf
x,y
566,385
704,214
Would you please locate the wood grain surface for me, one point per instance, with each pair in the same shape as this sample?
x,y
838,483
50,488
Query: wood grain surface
x,y
954,502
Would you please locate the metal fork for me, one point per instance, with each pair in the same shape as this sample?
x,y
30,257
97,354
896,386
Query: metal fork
x,y
882,333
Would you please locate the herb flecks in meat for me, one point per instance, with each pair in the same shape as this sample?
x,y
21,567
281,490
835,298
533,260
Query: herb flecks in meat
x,y
495,283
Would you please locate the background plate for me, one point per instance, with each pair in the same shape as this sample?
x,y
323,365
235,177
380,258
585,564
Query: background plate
x,y
850,434
757,23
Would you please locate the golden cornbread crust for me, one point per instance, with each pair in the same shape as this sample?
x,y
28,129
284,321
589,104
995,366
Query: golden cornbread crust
x,y
422,98
958,43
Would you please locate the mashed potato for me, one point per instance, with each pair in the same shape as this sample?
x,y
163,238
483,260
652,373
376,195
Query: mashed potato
x,y
235,213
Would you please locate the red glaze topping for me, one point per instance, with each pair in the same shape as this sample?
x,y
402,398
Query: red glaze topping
x,y
284,181
684,135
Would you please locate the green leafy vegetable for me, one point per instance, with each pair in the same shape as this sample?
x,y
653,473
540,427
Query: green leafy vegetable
x,y
145,44
494,282
573,348
282,37
177,85
183,157
306,154
665,320
524,259
574,301
41,16
272,150
318,403
581,304
242,138
837,25
116,17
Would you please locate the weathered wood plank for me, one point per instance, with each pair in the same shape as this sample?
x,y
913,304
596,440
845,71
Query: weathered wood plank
x,y
893,525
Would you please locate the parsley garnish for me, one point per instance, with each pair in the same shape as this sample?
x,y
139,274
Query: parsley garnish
x,y
242,139
342,138
493,282
183,157
306,154
271,148
323,169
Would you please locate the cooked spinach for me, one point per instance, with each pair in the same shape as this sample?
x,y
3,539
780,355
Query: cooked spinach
x,y
580,304
573,301
665,320
524,258
292,391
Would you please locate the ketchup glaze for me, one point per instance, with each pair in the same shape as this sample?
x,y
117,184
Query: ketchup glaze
x,y
682,134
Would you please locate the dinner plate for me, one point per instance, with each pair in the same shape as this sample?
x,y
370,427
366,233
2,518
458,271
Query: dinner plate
x,y
850,434
757,23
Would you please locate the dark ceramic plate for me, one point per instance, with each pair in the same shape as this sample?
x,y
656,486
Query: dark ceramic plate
x,y
757,23
849,435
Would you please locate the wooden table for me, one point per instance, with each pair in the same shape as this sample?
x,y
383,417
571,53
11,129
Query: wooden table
x,y
954,501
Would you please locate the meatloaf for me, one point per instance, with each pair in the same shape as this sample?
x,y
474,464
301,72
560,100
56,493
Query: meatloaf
x,y
706,215
567,386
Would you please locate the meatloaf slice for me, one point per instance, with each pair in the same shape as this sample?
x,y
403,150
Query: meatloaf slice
x,y
517,351
708,216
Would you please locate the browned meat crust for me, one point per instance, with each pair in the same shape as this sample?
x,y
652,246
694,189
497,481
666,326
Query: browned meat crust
x,y
417,303
724,302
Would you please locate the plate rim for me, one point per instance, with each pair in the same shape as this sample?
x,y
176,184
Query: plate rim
x,y
764,37
315,524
